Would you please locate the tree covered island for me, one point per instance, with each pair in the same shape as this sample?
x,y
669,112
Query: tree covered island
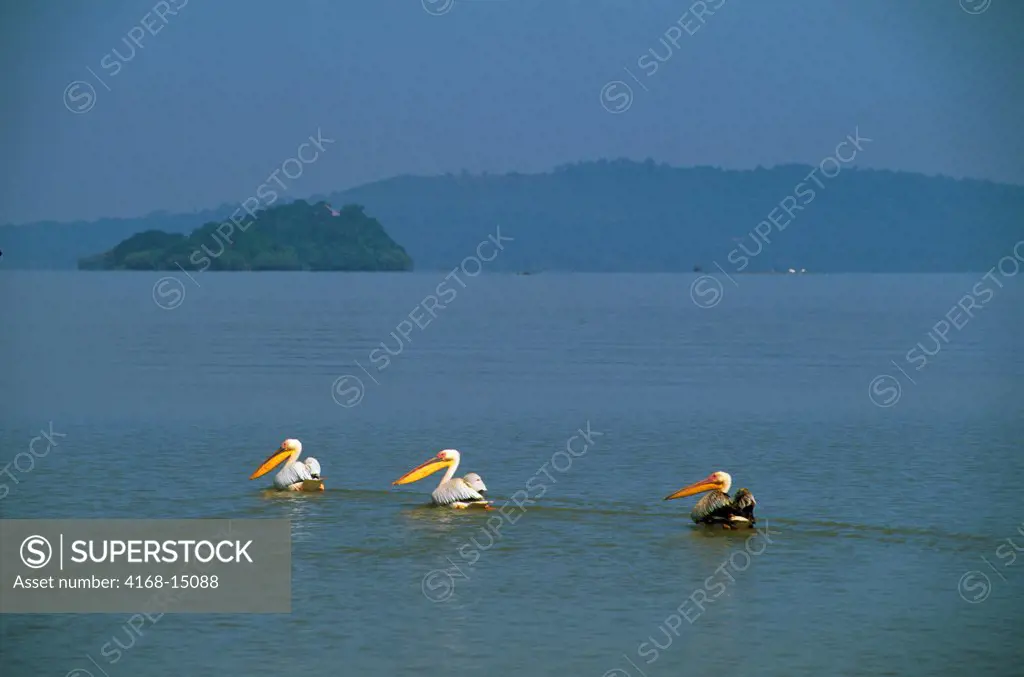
x,y
295,236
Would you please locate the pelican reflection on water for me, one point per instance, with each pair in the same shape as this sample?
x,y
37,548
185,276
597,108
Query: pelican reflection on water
x,y
294,476
716,508
452,492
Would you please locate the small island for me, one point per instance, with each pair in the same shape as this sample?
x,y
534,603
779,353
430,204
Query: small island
x,y
295,236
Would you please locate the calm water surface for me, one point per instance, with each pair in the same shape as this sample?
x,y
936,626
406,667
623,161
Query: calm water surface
x,y
873,514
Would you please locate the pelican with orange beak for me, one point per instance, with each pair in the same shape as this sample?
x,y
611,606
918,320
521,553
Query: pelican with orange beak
x,y
452,492
716,508
294,476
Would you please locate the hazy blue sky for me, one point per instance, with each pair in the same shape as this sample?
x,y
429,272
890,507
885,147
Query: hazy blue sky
x,y
226,90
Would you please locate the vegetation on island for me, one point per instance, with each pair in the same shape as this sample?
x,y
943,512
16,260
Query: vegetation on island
x,y
295,236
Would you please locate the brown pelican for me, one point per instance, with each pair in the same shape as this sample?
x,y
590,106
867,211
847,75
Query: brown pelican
x,y
717,507
294,476
453,492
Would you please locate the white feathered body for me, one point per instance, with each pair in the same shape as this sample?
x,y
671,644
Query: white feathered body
x,y
291,473
460,490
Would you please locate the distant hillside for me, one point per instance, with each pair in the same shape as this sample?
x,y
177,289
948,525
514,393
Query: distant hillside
x,y
630,216
296,236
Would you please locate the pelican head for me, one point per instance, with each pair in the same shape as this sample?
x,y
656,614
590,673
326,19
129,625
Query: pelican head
x,y
720,481
287,452
475,482
443,459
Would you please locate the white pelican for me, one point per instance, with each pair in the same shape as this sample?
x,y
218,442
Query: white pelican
x,y
294,476
454,492
717,507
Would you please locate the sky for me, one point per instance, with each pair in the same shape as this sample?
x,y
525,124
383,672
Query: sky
x,y
209,101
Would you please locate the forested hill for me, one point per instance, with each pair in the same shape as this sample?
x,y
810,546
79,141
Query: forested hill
x,y
641,216
296,236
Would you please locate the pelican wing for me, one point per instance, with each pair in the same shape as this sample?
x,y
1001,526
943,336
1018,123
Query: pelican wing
x,y
743,504
717,507
714,506
290,474
455,490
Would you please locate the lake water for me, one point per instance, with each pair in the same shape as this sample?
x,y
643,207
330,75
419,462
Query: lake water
x,y
877,552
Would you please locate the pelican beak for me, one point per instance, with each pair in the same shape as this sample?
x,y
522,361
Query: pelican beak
x,y
272,462
424,469
706,484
